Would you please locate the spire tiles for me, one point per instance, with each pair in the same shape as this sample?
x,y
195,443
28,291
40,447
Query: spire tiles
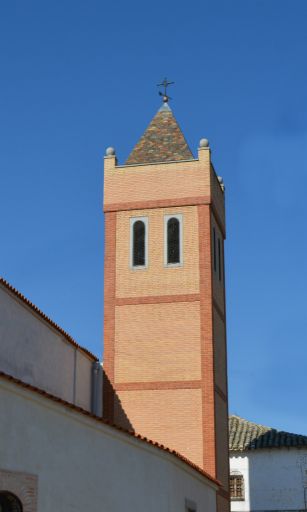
x,y
163,140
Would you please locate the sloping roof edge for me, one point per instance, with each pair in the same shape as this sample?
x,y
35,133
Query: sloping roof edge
x,y
79,410
30,304
246,435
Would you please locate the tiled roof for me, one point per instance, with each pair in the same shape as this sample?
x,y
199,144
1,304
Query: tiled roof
x,y
26,301
246,435
78,409
163,141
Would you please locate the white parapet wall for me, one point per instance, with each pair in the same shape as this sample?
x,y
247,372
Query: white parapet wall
x,y
57,458
34,350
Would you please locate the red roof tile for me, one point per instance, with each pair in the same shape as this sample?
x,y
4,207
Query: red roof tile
x,y
246,435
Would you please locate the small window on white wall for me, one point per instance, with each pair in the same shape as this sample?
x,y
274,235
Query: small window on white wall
x,y
173,246
138,242
236,486
190,506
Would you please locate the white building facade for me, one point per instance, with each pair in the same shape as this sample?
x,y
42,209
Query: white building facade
x,y
37,351
56,451
268,469
57,458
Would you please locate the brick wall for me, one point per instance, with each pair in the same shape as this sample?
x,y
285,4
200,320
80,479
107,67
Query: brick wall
x,y
153,183
165,356
23,486
170,416
157,342
157,280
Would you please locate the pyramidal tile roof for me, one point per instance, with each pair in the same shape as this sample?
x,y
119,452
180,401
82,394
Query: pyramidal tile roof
x,y
162,141
246,435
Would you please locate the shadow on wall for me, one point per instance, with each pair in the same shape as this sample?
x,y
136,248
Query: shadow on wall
x,y
112,407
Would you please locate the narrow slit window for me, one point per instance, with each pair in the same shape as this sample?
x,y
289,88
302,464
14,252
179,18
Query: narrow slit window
x,y
214,250
173,240
138,251
219,258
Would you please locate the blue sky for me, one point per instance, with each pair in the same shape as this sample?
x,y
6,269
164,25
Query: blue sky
x,y
77,77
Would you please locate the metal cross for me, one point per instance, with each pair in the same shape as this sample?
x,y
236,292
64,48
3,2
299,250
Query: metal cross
x,y
165,84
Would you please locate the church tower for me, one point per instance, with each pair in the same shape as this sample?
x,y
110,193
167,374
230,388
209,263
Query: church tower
x,y
165,333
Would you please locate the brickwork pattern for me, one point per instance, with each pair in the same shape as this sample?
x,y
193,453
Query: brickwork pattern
x,y
207,346
154,183
23,486
146,342
157,279
109,315
218,284
219,352
167,393
214,402
222,440
171,417
222,502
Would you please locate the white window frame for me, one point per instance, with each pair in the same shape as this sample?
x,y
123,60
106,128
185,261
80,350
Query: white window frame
x,y
179,217
132,221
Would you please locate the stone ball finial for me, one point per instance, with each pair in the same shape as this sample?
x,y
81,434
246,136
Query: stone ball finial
x,y
221,182
203,143
110,151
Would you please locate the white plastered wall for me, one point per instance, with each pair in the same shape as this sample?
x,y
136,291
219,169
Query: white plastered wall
x,y
239,464
36,353
82,464
275,479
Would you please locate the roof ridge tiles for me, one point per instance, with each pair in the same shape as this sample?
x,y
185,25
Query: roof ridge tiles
x,y
247,435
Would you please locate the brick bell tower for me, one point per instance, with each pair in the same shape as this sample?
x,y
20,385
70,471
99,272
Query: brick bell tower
x,y
165,333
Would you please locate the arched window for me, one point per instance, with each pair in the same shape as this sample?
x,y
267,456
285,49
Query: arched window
x,y
9,502
236,486
138,245
173,240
